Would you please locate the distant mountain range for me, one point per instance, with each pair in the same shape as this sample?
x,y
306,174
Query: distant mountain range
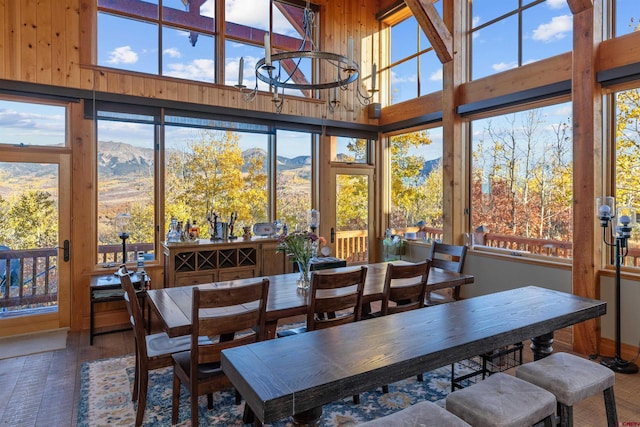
x,y
118,158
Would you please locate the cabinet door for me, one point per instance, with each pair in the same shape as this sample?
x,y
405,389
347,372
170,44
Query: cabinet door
x,y
235,274
273,263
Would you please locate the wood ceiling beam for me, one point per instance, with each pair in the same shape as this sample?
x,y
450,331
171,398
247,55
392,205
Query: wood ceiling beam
x,y
433,27
578,6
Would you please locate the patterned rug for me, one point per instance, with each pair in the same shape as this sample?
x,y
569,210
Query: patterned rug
x,y
105,399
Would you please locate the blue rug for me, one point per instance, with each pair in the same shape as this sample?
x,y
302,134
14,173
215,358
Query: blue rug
x,y
105,399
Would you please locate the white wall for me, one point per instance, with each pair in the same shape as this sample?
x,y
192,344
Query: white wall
x,y
497,273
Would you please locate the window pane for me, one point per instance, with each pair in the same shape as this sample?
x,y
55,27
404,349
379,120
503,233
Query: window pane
x,y
293,177
351,150
626,17
200,18
118,49
547,30
489,60
210,171
251,54
144,8
430,73
404,81
126,185
250,13
32,124
486,10
416,179
404,39
188,55
522,180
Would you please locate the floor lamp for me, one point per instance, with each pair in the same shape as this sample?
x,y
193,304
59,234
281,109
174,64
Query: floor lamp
x,y
626,218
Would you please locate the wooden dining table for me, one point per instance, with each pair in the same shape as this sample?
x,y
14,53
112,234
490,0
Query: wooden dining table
x,y
296,375
173,305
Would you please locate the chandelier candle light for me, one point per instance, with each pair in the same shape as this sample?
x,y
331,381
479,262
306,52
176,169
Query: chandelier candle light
x,y
621,232
270,69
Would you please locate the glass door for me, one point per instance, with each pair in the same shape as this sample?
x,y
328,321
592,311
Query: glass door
x,y
353,226
35,177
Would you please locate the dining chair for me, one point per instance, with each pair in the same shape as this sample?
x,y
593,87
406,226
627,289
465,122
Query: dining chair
x,y
405,287
152,351
334,299
450,258
230,317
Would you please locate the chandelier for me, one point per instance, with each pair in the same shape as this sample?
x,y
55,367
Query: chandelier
x,y
278,70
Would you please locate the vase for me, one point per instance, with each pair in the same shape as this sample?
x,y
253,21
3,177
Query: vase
x,y
304,281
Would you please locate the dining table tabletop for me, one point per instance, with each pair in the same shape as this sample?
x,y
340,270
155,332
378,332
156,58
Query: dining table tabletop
x,y
296,375
172,305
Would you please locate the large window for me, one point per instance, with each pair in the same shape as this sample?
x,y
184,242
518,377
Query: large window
x,y
509,34
178,38
416,179
627,155
126,184
414,69
293,177
522,180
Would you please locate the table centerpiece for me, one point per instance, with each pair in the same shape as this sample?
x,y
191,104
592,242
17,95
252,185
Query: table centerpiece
x,y
302,247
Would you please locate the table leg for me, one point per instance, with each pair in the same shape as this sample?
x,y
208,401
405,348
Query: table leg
x,y
270,329
309,418
541,346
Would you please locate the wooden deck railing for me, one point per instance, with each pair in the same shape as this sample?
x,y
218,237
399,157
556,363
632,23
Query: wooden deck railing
x,y
353,246
113,253
28,277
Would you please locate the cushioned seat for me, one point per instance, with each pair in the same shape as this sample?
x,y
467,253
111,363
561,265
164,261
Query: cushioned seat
x,y
502,400
571,379
421,414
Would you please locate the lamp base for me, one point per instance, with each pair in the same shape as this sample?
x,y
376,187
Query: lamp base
x,y
619,365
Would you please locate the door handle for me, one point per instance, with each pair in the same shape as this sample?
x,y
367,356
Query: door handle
x,y
66,252
333,235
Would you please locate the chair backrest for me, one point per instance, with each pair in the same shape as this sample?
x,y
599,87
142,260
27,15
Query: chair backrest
x,y
335,298
134,309
405,287
230,317
448,257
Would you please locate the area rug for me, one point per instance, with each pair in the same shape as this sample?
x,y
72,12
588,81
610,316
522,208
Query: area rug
x,y
23,345
105,399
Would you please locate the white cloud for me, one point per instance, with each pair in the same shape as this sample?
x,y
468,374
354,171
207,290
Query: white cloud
x,y
556,4
172,52
198,69
502,66
396,79
436,76
555,30
122,55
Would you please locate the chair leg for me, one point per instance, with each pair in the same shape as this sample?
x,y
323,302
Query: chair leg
x,y
194,404
420,377
175,401
610,405
566,415
210,401
385,389
548,421
136,379
142,396
238,398
356,399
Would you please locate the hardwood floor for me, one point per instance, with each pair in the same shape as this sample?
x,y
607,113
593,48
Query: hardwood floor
x,y
43,389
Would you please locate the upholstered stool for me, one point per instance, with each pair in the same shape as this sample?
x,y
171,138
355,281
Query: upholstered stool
x,y
421,414
502,400
571,379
